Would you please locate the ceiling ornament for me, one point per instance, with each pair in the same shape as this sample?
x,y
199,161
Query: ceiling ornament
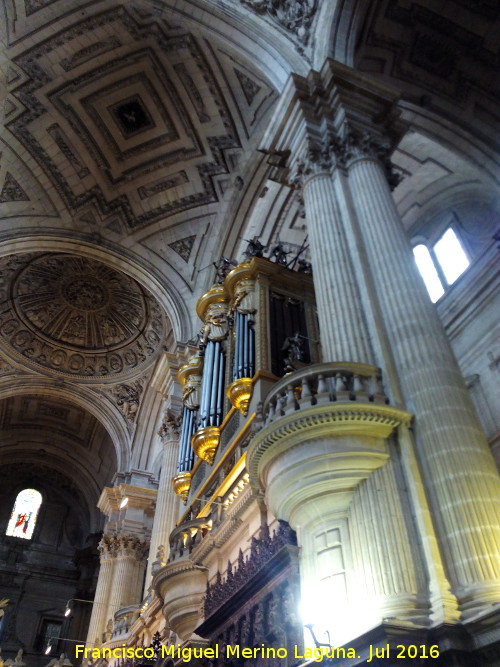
x,y
183,246
105,135
249,87
11,190
77,316
294,15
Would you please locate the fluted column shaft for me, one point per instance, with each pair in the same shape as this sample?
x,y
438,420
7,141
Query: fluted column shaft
x,y
384,551
124,591
449,439
341,322
167,504
102,593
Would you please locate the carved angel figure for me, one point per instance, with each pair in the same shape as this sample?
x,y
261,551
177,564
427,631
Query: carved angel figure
x,y
191,392
216,323
128,399
244,297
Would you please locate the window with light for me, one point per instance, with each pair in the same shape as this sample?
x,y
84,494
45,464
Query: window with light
x,y
24,514
441,264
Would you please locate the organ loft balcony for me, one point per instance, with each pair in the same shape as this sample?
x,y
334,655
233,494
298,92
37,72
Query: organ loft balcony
x,y
264,417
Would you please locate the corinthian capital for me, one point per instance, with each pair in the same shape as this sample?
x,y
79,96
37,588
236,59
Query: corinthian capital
x,y
322,155
358,146
132,546
170,427
328,119
113,545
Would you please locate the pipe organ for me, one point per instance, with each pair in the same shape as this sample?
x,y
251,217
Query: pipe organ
x,y
257,326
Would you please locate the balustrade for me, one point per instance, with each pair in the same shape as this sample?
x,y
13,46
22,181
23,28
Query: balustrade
x,y
185,537
124,620
320,384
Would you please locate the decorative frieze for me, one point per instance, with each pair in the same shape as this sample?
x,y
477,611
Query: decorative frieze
x,y
261,551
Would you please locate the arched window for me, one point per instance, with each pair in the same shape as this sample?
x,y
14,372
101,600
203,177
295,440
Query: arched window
x,y
442,263
24,514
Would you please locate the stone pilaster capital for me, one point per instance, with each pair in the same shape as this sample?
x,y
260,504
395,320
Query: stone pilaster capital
x,y
113,546
170,427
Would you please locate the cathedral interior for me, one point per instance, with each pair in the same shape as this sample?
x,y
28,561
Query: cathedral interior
x,y
249,337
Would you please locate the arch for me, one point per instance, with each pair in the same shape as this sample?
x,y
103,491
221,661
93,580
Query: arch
x,y
342,27
110,417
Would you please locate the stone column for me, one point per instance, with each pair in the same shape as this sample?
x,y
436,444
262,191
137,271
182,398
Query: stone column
x,y
344,335
335,120
130,562
461,478
167,502
100,609
128,508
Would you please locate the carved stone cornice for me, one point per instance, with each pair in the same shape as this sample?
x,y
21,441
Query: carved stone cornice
x,y
328,120
113,546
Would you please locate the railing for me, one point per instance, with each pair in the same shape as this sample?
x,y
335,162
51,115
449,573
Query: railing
x,y
124,620
321,384
185,537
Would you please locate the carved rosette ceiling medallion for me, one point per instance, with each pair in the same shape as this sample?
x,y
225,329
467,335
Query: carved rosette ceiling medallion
x,y
77,317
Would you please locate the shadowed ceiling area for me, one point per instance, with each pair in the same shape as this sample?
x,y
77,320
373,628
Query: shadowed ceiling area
x,y
65,446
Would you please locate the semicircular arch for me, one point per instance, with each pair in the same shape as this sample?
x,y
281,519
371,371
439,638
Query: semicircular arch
x,y
106,414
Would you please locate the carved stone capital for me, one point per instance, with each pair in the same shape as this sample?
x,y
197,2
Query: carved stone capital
x,y
359,146
113,546
321,156
336,152
170,427
327,120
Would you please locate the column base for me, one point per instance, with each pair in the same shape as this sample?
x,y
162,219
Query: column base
x,y
395,644
478,599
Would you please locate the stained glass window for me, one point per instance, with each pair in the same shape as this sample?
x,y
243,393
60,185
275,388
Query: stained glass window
x,y
24,514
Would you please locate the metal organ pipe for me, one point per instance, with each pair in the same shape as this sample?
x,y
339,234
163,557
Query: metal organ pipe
x,y
186,454
217,386
251,349
206,385
220,391
239,336
245,345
